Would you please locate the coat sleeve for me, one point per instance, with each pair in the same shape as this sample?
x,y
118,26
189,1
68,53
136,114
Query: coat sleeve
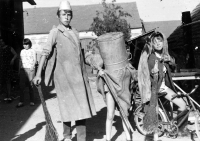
x,y
51,54
51,41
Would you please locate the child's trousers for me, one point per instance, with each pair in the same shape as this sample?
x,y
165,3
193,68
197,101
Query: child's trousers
x,y
26,77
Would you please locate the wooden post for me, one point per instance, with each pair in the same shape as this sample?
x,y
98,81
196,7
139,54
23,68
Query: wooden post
x,y
18,25
187,36
6,7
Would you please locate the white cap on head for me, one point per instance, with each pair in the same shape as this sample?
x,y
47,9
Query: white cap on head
x,y
65,5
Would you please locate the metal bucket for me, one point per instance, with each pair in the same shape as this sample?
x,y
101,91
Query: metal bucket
x,y
112,49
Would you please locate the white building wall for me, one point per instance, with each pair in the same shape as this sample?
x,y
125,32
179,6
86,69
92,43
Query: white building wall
x,y
135,33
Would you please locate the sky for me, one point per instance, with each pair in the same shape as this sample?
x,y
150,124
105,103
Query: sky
x,y
149,10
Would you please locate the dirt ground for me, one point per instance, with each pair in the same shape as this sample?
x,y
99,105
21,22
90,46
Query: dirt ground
x,y
28,123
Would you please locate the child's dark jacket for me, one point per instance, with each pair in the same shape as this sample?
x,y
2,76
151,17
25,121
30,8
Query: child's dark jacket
x,y
167,77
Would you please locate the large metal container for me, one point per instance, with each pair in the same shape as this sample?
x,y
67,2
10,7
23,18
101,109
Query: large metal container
x,y
112,49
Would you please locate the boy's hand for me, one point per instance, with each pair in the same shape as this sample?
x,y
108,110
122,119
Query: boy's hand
x,y
37,80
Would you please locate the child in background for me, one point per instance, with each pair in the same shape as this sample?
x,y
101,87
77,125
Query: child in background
x,y
27,71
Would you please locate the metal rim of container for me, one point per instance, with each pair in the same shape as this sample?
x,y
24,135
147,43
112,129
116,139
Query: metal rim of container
x,y
101,39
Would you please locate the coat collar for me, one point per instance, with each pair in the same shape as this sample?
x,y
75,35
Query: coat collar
x,y
65,32
62,28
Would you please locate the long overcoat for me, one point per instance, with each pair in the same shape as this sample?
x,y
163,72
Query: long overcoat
x,y
65,66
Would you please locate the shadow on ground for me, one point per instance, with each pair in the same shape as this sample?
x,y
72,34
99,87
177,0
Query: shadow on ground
x,y
12,119
30,133
96,126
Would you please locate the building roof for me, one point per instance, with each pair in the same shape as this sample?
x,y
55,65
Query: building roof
x,y
41,20
177,44
176,40
166,27
32,2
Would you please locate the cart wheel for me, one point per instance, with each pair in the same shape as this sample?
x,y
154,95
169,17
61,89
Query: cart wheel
x,y
138,119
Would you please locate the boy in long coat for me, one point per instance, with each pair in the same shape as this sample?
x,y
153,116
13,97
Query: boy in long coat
x,y
66,66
